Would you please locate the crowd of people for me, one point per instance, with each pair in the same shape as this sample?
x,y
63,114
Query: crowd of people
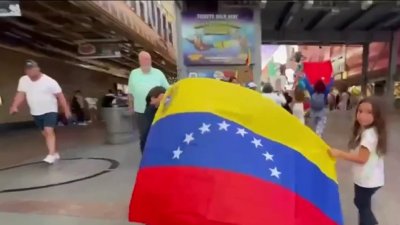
x,y
147,86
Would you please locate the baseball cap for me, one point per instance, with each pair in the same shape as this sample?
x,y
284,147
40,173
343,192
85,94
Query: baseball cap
x,y
29,64
251,85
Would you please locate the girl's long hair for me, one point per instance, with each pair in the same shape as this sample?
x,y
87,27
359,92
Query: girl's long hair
x,y
379,124
299,95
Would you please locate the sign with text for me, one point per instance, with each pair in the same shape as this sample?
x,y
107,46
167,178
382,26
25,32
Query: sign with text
x,y
217,38
338,64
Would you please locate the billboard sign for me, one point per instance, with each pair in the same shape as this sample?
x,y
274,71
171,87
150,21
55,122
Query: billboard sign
x,y
217,38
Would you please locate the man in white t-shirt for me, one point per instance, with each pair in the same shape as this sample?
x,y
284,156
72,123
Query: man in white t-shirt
x,y
43,95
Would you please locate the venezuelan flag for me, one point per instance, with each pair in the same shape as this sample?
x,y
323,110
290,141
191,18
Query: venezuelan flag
x,y
220,154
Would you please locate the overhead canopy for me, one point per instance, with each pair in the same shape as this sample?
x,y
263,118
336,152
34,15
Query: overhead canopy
x,y
329,22
55,28
318,22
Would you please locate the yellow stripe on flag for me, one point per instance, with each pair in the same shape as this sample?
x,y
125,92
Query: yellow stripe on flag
x,y
249,109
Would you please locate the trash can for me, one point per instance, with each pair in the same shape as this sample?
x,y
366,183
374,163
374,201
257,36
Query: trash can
x,y
119,125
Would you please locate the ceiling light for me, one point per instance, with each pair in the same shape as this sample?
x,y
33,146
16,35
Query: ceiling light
x,y
366,4
308,4
335,10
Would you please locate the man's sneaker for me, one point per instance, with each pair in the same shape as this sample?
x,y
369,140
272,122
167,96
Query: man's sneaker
x,y
50,159
57,156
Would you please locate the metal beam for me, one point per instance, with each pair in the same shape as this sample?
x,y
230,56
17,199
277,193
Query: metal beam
x,y
364,69
355,18
392,76
324,20
376,13
324,37
317,19
289,11
388,22
37,17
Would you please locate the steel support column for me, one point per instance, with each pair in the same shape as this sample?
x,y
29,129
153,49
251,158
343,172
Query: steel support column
x,y
392,76
364,71
182,70
256,57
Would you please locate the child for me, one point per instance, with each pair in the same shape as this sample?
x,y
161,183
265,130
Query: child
x,y
153,100
298,106
318,100
369,143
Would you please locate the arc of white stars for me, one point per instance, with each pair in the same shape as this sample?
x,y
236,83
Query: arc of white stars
x,y
275,172
241,132
177,153
205,128
188,138
268,156
256,142
223,125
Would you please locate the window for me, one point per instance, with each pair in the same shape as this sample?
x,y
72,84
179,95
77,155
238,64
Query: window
x,y
170,38
158,21
164,27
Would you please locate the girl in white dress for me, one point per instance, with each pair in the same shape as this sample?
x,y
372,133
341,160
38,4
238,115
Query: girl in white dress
x,y
369,146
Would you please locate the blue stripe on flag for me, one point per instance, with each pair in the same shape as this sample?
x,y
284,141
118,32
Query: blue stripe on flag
x,y
206,140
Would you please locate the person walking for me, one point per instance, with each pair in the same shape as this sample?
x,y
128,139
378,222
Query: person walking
x,y
78,108
298,106
319,101
141,81
276,96
43,94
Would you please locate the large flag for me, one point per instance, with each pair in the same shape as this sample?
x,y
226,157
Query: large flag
x,y
318,71
221,154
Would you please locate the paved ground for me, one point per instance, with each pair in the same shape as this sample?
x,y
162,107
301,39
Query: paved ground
x,y
104,198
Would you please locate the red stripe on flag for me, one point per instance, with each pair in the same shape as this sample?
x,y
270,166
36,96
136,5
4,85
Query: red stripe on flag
x,y
194,196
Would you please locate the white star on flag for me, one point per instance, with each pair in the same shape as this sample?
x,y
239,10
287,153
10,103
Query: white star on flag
x,y
188,138
275,172
241,132
177,153
205,128
256,142
268,156
223,126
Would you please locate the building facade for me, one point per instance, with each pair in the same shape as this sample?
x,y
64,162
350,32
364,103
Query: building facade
x,y
160,16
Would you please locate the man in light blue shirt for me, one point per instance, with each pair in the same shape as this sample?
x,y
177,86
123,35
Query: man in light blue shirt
x,y
141,81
